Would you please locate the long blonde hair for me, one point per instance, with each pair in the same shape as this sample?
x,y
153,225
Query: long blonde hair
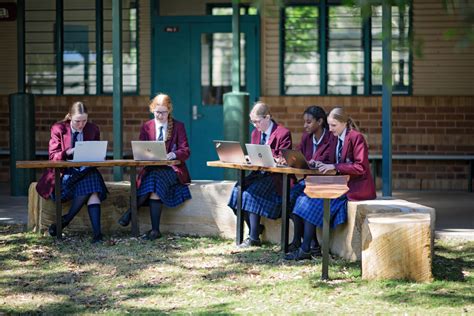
x,y
340,115
76,108
162,99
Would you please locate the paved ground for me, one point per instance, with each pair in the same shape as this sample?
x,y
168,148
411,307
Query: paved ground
x,y
454,210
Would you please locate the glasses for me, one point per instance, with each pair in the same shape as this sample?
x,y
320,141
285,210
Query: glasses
x,y
257,122
161,112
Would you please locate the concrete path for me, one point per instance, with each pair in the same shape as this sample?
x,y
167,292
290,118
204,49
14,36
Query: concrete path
x,y
454,210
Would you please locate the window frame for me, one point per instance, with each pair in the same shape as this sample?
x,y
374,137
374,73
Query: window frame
x,y
323,31
58,37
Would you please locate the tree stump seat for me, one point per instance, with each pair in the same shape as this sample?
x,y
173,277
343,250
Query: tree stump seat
x,y
397,246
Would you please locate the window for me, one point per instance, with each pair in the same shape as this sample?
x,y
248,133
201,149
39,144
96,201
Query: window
x,y
345,52
400,49
301,57
216,66
226,9
303,45
86,37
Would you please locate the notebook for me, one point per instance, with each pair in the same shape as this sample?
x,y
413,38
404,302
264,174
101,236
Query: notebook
x,y
85,151
295,159
229,151
148,150
260,155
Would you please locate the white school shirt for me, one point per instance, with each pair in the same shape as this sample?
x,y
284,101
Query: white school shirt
x,y
157,129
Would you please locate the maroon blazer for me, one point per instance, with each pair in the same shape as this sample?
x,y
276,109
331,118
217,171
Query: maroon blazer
x,y
355,162
177,143
58,144
325,150
280,138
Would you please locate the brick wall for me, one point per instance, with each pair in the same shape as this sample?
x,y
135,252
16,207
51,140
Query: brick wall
x,y
421,125
50,109
431,125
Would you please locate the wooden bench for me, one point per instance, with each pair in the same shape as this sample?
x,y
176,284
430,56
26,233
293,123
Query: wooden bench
x,y
376,158
207,214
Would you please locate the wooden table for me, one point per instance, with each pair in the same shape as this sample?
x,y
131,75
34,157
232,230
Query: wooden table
x,y
326,188
285,171
57,165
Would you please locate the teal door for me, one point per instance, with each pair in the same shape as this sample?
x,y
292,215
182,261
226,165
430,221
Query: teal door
x,y
192,63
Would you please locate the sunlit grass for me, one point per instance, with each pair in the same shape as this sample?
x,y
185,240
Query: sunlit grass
x,y
180,274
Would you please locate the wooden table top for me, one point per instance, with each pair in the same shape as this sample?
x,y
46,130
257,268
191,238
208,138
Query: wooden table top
x,y
286,170
106,163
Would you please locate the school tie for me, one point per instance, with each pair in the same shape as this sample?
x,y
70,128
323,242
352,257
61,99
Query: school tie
x,y
339,150
74,138
263,140
315,148
160,138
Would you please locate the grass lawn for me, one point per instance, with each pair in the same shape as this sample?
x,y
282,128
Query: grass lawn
x,y
180,274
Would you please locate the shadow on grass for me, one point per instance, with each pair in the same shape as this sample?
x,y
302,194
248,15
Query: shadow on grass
x,y
71,273
449,263
452,285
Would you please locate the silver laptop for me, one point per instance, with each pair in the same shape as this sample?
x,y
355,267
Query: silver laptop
x,y
90,151
260,155
229,151
148,150
295,159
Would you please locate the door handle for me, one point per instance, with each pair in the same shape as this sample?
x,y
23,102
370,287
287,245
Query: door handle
x,y
196,115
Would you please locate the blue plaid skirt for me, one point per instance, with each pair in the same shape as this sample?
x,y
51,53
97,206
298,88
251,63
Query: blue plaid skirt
x,y
312,210
164,182
81,181
259,196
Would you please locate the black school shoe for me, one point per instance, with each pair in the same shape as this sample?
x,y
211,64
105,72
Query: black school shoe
x,y
293,247
53,229
125,219
97,239
315,251
297,255
152,235
250,243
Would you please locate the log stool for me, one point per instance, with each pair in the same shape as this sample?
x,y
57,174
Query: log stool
x,y
397,246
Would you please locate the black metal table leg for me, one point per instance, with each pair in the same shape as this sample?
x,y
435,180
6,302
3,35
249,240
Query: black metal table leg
x,y
284,213
239,238
469,177
59,209
133,201
325,245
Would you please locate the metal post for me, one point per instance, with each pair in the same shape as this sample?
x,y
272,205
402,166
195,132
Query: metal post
x,y
236,103
133,201
235,46
367,31
59,209
284,213
323,49
325,245
99,44
117,85
239,238
387,99
20,25
59,47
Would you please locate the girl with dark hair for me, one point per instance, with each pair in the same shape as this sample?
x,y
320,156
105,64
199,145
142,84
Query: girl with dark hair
x,y
316,145
165,184
81,185
351,157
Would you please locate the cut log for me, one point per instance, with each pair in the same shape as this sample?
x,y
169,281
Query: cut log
x,y
397,246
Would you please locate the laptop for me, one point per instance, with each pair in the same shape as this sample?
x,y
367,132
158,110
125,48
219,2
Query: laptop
x,y
295,159
85,151
260,155
229,151
148,150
